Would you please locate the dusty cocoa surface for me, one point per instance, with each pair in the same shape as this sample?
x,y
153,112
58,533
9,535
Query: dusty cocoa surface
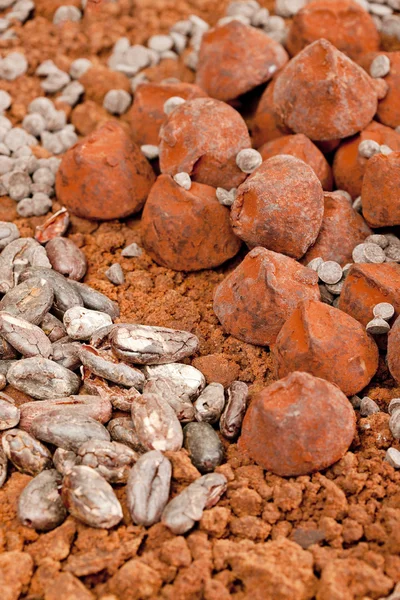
x,y
334,535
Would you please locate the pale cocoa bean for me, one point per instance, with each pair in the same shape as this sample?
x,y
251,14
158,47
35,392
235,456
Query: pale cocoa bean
x,y
81,322
90,498
65,295
232,417
111,460
67,430
66,258
95,300
26,453
64,460
148,487
5,366
210,404
164,387
40,505
103,365
188,382
145,345
156,423
204,446
8,233
30,300
26,338
17,256
9,413
42,378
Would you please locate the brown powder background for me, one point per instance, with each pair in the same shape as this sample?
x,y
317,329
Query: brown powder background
x,y
333,535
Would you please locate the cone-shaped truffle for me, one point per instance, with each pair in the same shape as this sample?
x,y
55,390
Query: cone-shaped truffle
x,y
380,190
298,425
324,94
104,176
255,300
266,125
328,343
235,58
301,147
343,22
187,230
280,206
202,137
341,230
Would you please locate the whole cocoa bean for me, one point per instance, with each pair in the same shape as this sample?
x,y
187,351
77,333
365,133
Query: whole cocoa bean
x,y
184,510
204,446
81,323
188,382
67,430
148,486
65,295
66,353
111,460
30,300
231,419
66,258
123,430
42,378
103,365
64,460
9,413
53,328
210,404
145,345
26,338
95,300
17,255
90,499
156,423
26,453
164,387
40,505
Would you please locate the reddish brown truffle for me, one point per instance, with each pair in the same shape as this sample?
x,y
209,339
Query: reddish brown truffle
x,y
298,425
202,137
389,107
327,343
380,190
187,230
324,94
146,114
266,125
301,147
253,302
343,22
393,354
280,206
349,166
88,116
99,80
367,285
341,230
104,176
235,58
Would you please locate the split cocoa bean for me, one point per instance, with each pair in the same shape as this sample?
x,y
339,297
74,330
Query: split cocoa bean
x,y
26,453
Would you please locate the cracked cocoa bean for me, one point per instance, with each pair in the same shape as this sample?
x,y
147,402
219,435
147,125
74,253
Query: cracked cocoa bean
x,y
64,460
26,338
66,353
164,387
90,498
30,300
16,257
148,486
42,378
95,300
120,398
65,295
40,505
26,453
204,446
104,365
156,423
111,460
66,258
210,404
67,430
231,420
188,382
81,323
99,339
145,345
9,413
182,512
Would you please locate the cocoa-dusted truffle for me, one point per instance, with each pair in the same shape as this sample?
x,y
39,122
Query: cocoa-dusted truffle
x,y
266,125
389,107
254,301
349,165
301,147
327,343
298,425
393,354
341,230
280,206
324,94
146,115
202,137
235,58
380,190
343,22
104,176
187,230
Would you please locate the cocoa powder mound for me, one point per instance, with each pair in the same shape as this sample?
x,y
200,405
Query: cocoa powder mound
x,y
332,535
